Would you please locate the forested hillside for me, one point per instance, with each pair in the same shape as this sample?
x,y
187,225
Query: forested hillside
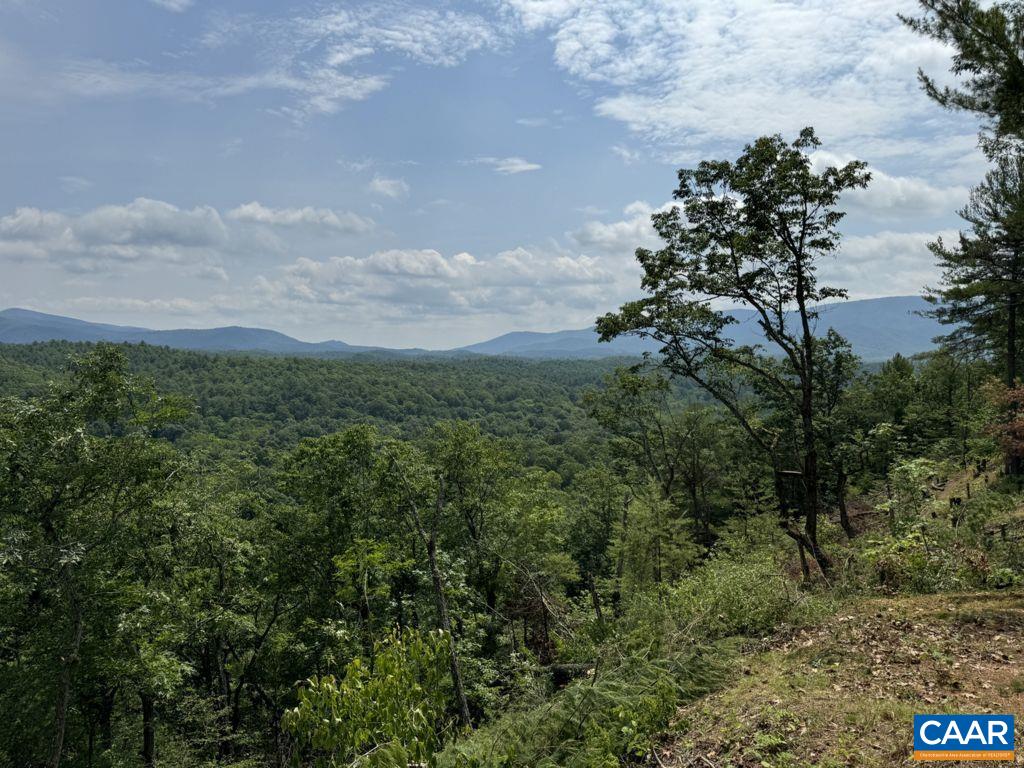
x,y
188,592
245,404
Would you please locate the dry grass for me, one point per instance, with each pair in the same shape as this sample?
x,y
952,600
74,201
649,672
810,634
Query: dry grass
x,y
844,694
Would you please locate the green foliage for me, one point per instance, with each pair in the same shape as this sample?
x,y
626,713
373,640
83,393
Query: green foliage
x,y
388,711
554,555
262,405
987,55
608,719
746,595
1004,578
914,562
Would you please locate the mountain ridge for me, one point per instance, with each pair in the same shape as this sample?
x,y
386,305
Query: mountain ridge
x,y
876,328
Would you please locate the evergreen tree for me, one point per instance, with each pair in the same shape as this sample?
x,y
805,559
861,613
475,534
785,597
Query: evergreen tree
x,y
982,285
988,43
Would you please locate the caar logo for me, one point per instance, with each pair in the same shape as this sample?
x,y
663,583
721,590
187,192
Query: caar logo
x,y
963,737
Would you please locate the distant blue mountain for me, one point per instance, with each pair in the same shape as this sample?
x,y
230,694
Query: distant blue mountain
x,y
22,326
876,328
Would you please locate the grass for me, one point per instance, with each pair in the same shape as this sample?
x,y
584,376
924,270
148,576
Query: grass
x,y
844,693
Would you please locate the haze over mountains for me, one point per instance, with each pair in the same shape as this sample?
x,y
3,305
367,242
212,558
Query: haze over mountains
x,y
876,328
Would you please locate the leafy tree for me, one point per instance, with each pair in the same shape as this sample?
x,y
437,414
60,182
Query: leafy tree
x,y
750,232
675,444
81,484
598,507
836,419
988,43
895,389
386,711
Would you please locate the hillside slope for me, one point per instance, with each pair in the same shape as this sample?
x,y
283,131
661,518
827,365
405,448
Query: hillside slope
x,y
845,693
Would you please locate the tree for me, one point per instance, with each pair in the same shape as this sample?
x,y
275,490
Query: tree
x,y
894,389
750,232
81,483
676,445
835,418
982,286
989,52
598,502
426,517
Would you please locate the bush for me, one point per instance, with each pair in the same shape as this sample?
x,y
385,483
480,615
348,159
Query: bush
x,y
917,562
741,596
1004,578
387,715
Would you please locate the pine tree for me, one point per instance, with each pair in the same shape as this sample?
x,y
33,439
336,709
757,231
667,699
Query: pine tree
x,y
982,286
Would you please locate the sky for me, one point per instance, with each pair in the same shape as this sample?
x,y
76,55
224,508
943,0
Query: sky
x,y
434,174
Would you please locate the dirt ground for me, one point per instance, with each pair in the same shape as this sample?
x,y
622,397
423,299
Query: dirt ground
x,y
844,694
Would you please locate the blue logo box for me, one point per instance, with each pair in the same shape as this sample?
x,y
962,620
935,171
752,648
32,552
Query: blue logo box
x,y
963,737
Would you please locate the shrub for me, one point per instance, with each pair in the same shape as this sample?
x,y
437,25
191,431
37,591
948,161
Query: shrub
x,y
387,715
915,561
740,596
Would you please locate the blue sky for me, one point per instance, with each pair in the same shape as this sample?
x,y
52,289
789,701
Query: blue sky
x,y
432,174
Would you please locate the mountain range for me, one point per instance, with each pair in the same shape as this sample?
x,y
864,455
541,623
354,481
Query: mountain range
x,y
876,328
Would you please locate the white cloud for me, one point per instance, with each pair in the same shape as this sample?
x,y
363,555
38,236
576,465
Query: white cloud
x,y
393,188
628,155
145,234
896,197
145,222
31,224
176,6
318,91
622,237
535,14
425,34
313,218
112,237
901,197
309,57
696,74
884,264
425,283
508,166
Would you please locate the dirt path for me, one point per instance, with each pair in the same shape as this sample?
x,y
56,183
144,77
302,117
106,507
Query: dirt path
x,y
844,694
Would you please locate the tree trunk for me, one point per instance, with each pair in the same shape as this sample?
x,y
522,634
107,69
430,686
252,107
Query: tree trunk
x,y
804,567
148,732
224,683
844,515
446,625
60,719
1014,465
595,599
429,540
807,423
106,720
620,564
812,502
1011,341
